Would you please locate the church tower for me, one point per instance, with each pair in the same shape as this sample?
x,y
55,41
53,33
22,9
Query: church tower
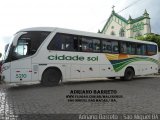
x,y
119,26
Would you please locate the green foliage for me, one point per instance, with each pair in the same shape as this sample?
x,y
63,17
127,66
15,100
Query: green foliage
x,y
152,38
0,55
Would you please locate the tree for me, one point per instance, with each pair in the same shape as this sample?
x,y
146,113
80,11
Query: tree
x,y
152,38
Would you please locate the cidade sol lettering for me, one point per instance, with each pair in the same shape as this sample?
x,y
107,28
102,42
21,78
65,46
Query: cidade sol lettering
x,y
64,57
72,58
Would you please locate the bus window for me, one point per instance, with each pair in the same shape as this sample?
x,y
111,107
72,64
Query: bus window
x,y
67,43
64,42
151,49
107,46
115,48
123,47
22,48
28,44
141,49
133,48
87,45
128,47
96,45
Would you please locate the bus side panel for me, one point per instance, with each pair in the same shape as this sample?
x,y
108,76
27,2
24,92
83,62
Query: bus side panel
x,y
75,71
21,70
106,70
90,71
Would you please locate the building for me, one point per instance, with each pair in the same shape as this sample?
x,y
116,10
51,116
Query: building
x,y
119,26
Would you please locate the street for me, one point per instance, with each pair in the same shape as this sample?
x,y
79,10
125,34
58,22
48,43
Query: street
x,y
140,96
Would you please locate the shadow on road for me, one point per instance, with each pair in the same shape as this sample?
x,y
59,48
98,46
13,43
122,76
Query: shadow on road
x,y
38,85
105,81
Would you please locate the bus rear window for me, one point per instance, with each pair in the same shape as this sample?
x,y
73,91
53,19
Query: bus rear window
x,y
151,49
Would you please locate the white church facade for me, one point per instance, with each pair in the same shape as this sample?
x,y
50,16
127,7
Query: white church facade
x,y
119,26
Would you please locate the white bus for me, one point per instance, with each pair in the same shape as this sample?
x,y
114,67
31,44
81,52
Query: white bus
x,y
51,55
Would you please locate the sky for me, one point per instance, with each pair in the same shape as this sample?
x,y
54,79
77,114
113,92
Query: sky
x,y
85,15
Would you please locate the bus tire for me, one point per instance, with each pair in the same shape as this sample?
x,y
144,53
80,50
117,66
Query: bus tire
x,y
51,77
129,74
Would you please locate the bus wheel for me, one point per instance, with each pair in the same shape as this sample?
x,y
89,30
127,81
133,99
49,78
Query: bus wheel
x,y
129,74
51,77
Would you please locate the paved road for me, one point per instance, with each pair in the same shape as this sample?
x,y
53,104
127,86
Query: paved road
x,y
142,95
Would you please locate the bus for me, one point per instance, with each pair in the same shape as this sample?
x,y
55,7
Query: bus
x,y
51,55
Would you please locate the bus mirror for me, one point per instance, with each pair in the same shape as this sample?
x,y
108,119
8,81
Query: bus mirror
x,y
6,47
14,42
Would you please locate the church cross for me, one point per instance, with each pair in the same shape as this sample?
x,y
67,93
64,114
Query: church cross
x,y
113,7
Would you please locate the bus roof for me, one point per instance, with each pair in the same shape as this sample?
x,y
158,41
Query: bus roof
x,y
84,33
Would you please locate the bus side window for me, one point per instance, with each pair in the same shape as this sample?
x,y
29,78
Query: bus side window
x,y
96,45
123,47
70,42
75,43
128,47
115,48
55,43
106,46
138,49
64,42
141,49
87,45
133,48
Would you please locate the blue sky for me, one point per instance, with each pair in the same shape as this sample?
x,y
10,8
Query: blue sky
x,y
86,15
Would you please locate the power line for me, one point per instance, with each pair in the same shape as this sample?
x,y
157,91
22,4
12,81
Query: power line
x,y
130,5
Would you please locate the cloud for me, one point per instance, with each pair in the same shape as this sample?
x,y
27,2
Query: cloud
x,y
86,15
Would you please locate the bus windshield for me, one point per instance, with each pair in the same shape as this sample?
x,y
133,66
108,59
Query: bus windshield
x,y
26,44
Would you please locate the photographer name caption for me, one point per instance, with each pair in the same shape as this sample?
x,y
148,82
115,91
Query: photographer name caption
x,y
93,96
119,117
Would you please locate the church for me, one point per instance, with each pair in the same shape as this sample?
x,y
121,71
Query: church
x,y
130,28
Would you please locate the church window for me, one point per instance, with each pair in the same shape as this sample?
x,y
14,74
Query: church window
x,y
112,33
121,32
